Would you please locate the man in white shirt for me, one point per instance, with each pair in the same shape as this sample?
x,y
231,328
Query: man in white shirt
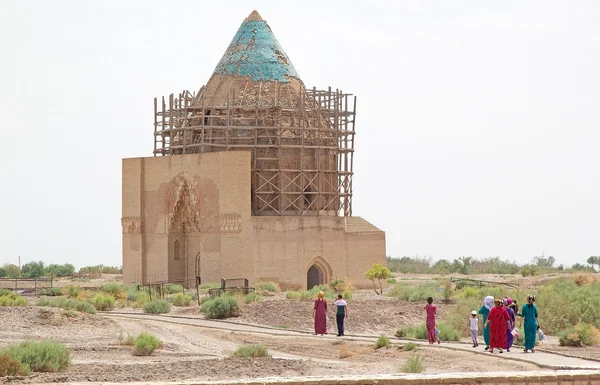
x,y
341,314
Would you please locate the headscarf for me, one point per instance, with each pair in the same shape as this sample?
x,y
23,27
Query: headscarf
x,y
488,302
320,295
507,301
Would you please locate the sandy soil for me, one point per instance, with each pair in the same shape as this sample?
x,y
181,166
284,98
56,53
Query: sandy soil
x,y
198,353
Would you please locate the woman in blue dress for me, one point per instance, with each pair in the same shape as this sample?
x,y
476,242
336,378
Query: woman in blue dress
x,y
529,313
488,302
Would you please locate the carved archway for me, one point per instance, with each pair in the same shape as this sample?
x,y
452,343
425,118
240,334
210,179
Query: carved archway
x,y
318,272
182,205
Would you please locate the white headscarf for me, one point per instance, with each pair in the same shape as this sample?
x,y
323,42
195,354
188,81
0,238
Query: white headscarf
x,y
488,302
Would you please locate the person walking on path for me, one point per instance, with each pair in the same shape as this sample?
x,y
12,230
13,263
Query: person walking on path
x,y
474,327
499,322
430,309
529,313
341,314
320,314
488,302
511,314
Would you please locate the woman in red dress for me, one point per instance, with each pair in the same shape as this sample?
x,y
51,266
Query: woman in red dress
x,y
320,314
430,309
499,322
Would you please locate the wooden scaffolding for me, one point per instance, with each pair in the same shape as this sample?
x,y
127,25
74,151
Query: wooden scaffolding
x,y
302,143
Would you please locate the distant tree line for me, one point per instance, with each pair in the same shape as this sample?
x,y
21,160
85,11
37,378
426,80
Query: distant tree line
x,y
492,265
39,269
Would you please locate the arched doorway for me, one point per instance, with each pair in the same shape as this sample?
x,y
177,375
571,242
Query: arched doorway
x,y
314,277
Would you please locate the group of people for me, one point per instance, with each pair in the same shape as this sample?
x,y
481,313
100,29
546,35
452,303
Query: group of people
x,y
499,321
499,316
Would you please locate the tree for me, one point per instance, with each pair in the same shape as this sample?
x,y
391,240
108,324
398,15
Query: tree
x,y
33,270
379,272
594,261
2,272
65,270
12,271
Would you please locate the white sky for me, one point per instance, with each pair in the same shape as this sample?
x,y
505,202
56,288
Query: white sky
x,y
477,128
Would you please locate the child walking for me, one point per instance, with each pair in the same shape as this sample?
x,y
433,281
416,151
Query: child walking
x,y
474,327
340,314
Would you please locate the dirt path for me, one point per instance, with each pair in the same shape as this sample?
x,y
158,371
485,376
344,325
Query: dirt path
x,y
541,359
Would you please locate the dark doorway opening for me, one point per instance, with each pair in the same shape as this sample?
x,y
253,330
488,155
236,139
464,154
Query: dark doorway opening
x,y
314,277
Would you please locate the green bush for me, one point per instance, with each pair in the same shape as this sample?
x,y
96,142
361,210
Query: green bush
x,y
141,299
580,335
159,306
306,295
8,298
114,289
562,304
382,342
72,291
409,346
68,304
252,297
414,364
171,288
406,292
339,286
347,294
392,281
292,295
529,270
42,356
268,286
251,351
419,332
181,299
10,367
103,302
145,344
209,285
51,291
221,307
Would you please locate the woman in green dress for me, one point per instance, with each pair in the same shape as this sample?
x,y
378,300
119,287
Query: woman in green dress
x,y
529,313
488,302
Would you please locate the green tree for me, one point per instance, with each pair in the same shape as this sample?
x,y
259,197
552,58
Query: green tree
x,y
12,271
33,270
2,272
65,270
594,261
379,272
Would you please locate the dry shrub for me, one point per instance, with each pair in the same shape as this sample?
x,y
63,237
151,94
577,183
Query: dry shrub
x,y
10,367
581,335
345,351
584,279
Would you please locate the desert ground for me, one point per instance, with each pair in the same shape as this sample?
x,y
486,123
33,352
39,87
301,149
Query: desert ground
x,y
195,352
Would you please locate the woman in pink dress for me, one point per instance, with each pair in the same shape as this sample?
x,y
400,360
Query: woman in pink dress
x,y
430,322
320,314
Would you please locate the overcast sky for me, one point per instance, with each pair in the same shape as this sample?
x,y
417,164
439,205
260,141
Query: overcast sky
x,y
478,125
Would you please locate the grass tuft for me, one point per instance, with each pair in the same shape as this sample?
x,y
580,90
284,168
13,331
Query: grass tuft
x,y
42,356
251,351
382,341
414,364
181,299
145,344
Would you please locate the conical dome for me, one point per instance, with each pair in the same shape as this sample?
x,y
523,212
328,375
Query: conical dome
x,y
254,67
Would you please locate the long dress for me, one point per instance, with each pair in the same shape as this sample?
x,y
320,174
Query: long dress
x,y
320,308
430,322
530,314
509,337
498,317
484,311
